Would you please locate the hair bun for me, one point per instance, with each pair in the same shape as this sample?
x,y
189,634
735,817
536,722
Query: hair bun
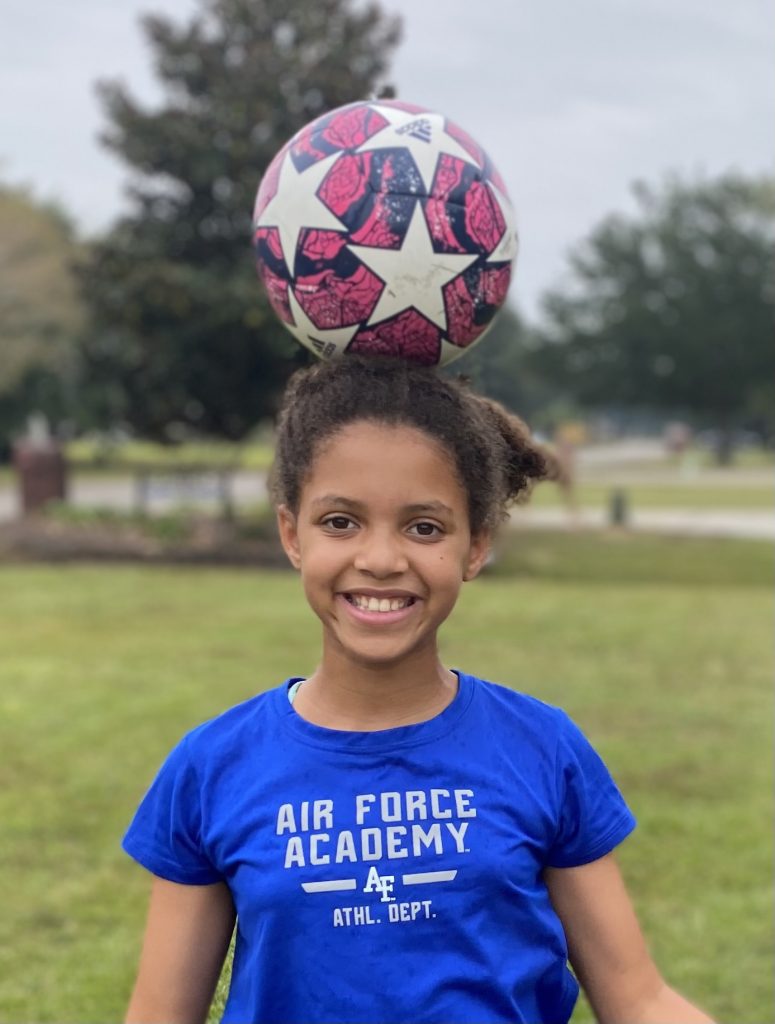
x,y
526,462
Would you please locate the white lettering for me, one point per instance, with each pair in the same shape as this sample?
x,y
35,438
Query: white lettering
x,y
437,810
458,834
415,805
371,844
285,820
380,883
427,839
294,852
322,817
409,911
462,797
345,847
363,803
314,856
390,804
393,838
352,915
323,814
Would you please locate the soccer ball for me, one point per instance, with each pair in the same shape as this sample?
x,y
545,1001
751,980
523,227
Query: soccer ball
x,y
383,228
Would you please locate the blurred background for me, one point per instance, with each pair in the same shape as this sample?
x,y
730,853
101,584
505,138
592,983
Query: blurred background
x,y
142,366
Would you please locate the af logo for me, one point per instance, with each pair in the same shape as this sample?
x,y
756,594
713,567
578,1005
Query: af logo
x,y
380,883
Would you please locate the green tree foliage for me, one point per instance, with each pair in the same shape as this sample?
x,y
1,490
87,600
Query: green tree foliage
x,y
182,333
671,309
40,310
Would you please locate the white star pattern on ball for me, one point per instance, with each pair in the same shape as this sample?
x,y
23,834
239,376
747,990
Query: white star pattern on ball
x,y
323,342
392,244
294,209
414,274
423,144
506,249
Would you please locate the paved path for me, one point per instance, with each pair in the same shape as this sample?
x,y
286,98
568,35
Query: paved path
x,y
250,488
165,493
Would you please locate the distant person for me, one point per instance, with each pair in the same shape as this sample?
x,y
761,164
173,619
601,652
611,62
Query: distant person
x,y
568,437
677,438
397,840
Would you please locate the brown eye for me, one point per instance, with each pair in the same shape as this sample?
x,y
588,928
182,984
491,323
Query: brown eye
x,y
426,529
338,522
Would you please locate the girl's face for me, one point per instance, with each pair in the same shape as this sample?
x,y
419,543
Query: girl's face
x,y
383,543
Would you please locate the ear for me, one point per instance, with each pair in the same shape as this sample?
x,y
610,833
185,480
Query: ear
x,y
477,554
289,537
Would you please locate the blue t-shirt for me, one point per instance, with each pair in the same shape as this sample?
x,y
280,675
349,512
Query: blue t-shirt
x,y
387,876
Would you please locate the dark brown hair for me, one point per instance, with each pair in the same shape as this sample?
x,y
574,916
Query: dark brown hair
x,y
491,450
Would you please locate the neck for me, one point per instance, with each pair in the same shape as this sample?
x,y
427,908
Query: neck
x,y
368,698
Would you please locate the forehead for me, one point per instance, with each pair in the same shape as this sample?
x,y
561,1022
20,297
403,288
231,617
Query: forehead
x,y
398,463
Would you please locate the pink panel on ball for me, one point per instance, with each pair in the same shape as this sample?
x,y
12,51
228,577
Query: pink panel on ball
x,y
376,230
330,301
461,309
495,284
408,335
272,238
321,246
346,183
268,187
437,218
277,291
484,219
449,175
353,126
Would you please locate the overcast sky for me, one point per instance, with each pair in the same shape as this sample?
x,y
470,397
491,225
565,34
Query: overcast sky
x,y
573,99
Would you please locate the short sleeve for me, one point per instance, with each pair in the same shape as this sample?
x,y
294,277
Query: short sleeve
x,y
165,835
593,817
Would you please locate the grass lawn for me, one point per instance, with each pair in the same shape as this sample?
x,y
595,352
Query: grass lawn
x,y
255,454
661,653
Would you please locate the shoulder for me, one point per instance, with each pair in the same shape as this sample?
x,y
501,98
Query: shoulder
x,y
498,700
548,726
240,727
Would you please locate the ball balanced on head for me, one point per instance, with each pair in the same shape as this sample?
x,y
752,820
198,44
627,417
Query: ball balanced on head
x,y
383,228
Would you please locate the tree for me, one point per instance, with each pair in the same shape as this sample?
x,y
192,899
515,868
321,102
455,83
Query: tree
x,y
182,334
671,310
40,310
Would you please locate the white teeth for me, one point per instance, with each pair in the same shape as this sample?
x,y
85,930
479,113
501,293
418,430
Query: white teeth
x,y
376,604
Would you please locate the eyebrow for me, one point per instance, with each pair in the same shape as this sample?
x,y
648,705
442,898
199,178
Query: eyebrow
x,y
437,507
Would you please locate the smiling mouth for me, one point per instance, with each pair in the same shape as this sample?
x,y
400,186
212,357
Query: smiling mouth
x,y
378,604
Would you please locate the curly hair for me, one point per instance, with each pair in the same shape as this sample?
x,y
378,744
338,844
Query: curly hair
x,y
495,458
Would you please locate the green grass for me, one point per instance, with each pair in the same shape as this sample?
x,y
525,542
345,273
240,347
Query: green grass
x,y
619,557
95,456
668,673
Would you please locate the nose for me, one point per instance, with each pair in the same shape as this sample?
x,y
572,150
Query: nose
x,y
381,554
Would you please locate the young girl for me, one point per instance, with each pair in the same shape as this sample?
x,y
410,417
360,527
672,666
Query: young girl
x,y
397,841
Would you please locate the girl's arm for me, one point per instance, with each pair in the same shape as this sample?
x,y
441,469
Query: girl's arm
x,y
607,949
186,939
